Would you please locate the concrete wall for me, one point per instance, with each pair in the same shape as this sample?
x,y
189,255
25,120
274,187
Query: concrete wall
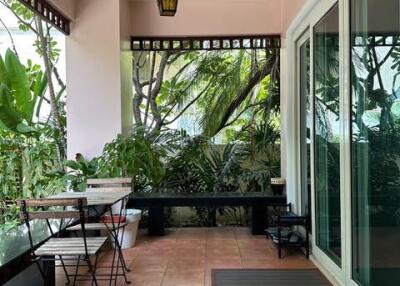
x,y
288,111
289,10
93,77
126,68
215,17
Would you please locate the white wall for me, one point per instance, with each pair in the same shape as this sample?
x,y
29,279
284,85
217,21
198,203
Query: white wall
x,y
126,68
289,10
215,17
93,77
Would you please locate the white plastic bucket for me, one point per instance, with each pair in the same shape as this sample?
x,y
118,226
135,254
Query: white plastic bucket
x,y
133,217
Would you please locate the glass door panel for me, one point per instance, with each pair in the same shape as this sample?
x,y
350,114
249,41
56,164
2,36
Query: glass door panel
x,y
375,83
305,126
327,135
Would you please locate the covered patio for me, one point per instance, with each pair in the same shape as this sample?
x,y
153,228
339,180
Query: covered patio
x,y
316,82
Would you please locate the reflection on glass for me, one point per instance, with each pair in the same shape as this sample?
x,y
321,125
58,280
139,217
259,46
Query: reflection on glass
x,y
375,86
327,147
305,127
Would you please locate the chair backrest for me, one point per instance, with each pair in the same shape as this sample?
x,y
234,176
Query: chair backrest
x,y
35,209
34,204
109,189
109,182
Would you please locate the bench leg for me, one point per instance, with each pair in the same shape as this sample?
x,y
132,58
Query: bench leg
x,y
156,221
258,219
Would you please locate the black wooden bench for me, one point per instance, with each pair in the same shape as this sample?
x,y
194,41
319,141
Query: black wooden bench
x,y
157,201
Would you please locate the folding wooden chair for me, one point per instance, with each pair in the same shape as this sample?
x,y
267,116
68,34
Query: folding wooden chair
x,y
56,249
109,185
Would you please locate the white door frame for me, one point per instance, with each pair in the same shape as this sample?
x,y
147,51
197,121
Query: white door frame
x,y
311,14
298,44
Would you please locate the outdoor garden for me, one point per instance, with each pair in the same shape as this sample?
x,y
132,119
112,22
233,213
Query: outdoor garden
x,y
204,121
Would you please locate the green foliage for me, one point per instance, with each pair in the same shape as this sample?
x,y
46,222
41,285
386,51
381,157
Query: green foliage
x,y
220,77
29,157
79,171
20,90
24,13
29,169
221,170
259,179
140,156
221,87
182,171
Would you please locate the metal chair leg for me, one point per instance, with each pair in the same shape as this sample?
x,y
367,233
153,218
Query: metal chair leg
x,y
65,271
112,266
76,270
95,267
48,269
93,271
117,270
46,274
40,269
123,271
121,254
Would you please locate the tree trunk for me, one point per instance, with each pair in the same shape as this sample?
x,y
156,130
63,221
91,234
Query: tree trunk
x,y
45,50
153,86
243,94
150,92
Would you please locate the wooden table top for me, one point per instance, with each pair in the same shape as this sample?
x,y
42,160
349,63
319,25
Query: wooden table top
x,y
95,197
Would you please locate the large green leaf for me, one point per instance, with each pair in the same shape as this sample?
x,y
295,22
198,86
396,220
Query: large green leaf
x,y
39,90
4,76
23,128
19,84
9,116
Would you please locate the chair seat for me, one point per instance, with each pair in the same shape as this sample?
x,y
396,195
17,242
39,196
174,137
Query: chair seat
x,y
71,246
96,226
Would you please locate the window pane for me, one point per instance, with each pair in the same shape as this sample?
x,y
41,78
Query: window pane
x,y
305,127
327,139
375,86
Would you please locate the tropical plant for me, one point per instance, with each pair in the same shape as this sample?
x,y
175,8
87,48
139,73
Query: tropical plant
x,y
29,169
46,47
21,94
258,180
139,155
220,169
222,85
29,157
182,169
79,171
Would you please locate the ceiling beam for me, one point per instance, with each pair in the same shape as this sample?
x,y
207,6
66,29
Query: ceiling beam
x,y
49,14
143,43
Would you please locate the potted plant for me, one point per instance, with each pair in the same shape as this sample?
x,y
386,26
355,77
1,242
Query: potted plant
x,y
278,185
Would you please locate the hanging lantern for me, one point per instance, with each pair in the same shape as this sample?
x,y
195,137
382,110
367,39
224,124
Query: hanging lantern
x,y
167,7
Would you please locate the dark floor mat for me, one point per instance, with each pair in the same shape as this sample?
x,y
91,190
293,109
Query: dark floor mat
x,y
268,277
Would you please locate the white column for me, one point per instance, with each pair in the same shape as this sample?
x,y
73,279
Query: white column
x,y
93,77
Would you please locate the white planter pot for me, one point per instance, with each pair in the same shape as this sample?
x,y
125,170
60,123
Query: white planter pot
x,y
128,239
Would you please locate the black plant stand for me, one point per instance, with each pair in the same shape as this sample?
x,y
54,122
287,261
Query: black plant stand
x,y
286,233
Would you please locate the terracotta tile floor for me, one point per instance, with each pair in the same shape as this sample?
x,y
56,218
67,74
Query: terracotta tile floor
x,y
186,256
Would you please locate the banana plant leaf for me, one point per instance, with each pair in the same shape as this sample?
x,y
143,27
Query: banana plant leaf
x,y
13,75
10,118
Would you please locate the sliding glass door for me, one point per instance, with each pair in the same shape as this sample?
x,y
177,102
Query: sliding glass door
x,y
327,135
375,83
